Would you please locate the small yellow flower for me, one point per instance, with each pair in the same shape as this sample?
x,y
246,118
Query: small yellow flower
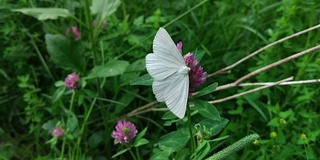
x,y
273,135
256,142
282,121
303,136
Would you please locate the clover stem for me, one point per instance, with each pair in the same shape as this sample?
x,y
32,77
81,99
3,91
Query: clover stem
x,y
190,128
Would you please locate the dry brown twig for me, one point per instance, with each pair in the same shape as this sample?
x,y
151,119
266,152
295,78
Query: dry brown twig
x,y
237,82
249,91
226,69
150,106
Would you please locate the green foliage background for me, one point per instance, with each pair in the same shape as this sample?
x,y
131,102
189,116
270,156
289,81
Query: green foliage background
x,y
226,30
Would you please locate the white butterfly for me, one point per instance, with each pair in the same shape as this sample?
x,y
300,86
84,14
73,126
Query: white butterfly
x,y
170,73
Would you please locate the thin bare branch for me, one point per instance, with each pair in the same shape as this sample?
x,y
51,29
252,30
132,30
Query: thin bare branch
x,y
277,63
283,83
249,91
142,108
262,49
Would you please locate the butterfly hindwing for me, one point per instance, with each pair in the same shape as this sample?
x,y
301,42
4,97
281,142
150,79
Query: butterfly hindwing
x,y
170,73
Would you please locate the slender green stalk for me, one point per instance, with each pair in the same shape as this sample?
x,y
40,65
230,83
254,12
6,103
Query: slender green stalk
x,y
87,115
91,31
193,144
132,154
138,153
185,13
62,150
71,103
70,111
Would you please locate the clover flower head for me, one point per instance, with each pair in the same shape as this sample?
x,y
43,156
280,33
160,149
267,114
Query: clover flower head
x,y
179,46
196,74
72,81
124,132
76,33
57,132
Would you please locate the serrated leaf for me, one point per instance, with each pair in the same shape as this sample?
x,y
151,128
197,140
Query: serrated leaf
x,y
207,110
44,13
65,52
207,90
145,80
110,69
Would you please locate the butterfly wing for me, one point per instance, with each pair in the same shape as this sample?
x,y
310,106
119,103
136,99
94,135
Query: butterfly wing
x,y
166,58
174,91
171,81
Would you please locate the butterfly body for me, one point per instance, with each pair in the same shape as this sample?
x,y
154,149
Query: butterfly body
x,y
170,73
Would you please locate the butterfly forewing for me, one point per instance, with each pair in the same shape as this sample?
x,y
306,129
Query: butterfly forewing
x,y
168,69
158,67
164,47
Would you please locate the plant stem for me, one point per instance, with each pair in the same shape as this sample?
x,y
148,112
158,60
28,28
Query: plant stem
x,y
71,102
132,154
70,112
85,121
91,31
190,128
62,150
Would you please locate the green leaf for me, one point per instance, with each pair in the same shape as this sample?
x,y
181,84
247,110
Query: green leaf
x,y
141,134
207,110
220,138
120,152
72,123
160,154
95,139
65,52
132,72
207,90
199,54
110,69
254,104
141,142
49,125
211,127
169,116
201,151
44,13
174,141
183,154
274,122
104,8
57,94
59,83
145,80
